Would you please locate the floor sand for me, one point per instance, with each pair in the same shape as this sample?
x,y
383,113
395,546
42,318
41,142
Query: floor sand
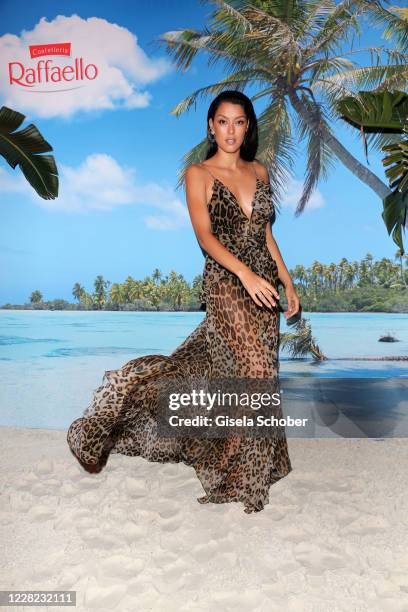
x,y
133,538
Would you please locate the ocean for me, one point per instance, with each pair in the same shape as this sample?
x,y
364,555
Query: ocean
x,y
51,361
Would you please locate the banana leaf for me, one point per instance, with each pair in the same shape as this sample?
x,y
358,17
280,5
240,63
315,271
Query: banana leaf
x,y
24,148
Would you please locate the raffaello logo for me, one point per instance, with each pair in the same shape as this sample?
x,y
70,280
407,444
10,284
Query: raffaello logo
x,y
45,72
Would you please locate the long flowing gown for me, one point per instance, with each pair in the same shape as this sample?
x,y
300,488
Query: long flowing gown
x,y
237,338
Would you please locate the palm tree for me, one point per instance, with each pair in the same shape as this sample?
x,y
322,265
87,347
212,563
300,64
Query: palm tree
x,y
196,287
398,255
157,275
299,274
22,149
153,293
350,274
177,290
100,291
78,291
117,294
135,290
291,50
366,276
36,297
128,286
386,274
87,301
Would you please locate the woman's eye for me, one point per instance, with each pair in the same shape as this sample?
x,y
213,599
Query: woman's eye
x,y
240,121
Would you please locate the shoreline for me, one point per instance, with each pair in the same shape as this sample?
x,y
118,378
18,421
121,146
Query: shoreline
x,y
340,312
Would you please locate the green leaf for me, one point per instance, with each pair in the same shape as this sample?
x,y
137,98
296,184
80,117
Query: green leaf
x,y
375,111
23,148
395,215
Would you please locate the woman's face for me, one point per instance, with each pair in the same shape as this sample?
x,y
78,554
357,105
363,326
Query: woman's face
x,y
229,126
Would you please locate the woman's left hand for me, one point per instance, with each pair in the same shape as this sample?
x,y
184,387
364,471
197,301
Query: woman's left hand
x,y
293,301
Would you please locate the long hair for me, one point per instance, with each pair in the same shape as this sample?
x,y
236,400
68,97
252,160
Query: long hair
x,y
249,145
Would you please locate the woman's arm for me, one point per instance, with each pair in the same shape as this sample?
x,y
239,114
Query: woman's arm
x,y
260,290
284,276
273,248
283,273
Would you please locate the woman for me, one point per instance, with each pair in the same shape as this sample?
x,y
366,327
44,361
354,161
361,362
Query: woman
x,y
230,205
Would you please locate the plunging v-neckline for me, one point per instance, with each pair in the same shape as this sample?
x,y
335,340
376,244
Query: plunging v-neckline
x,y
236,199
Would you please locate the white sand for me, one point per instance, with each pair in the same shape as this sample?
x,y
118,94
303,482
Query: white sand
x,y
134,538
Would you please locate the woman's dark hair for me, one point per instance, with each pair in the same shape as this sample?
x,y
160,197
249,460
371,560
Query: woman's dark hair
x,y
249,145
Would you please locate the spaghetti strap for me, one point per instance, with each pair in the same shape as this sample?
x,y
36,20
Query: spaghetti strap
x,y
208,170
253,166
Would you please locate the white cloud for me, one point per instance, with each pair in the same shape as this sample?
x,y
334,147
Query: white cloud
x,y
124,68
100,183
293,194
12,183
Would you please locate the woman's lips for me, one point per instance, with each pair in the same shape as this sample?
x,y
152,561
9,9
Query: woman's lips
x,y
230,140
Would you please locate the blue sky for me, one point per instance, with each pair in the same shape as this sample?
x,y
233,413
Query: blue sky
x,y
119,150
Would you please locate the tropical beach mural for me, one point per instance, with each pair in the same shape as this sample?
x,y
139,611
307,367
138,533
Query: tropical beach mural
x,y
103,109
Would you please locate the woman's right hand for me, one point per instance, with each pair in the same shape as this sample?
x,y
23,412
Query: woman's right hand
x,y
262,292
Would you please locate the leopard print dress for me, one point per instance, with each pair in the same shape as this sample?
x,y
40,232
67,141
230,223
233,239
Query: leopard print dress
x,y
237,338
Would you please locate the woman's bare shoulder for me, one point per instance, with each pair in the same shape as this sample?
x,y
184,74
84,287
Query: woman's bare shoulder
x,y
194,170
194,175
261,170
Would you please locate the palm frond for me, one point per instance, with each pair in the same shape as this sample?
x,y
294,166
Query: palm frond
x,y
183,45
331,92
314,20
271,35
376,54
370,77
250,37
395,81
277,149
319,155
233,19
396,27
375,111
238,80
341,24
325,66
378,116
376,142
22,149
300,342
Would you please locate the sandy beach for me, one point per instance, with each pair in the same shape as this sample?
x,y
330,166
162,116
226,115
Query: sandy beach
x,y
333,538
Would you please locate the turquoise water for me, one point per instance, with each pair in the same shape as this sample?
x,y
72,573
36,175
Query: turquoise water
x,y
51,361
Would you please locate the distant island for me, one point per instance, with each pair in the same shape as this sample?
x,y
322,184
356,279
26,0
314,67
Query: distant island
x,y
359,286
